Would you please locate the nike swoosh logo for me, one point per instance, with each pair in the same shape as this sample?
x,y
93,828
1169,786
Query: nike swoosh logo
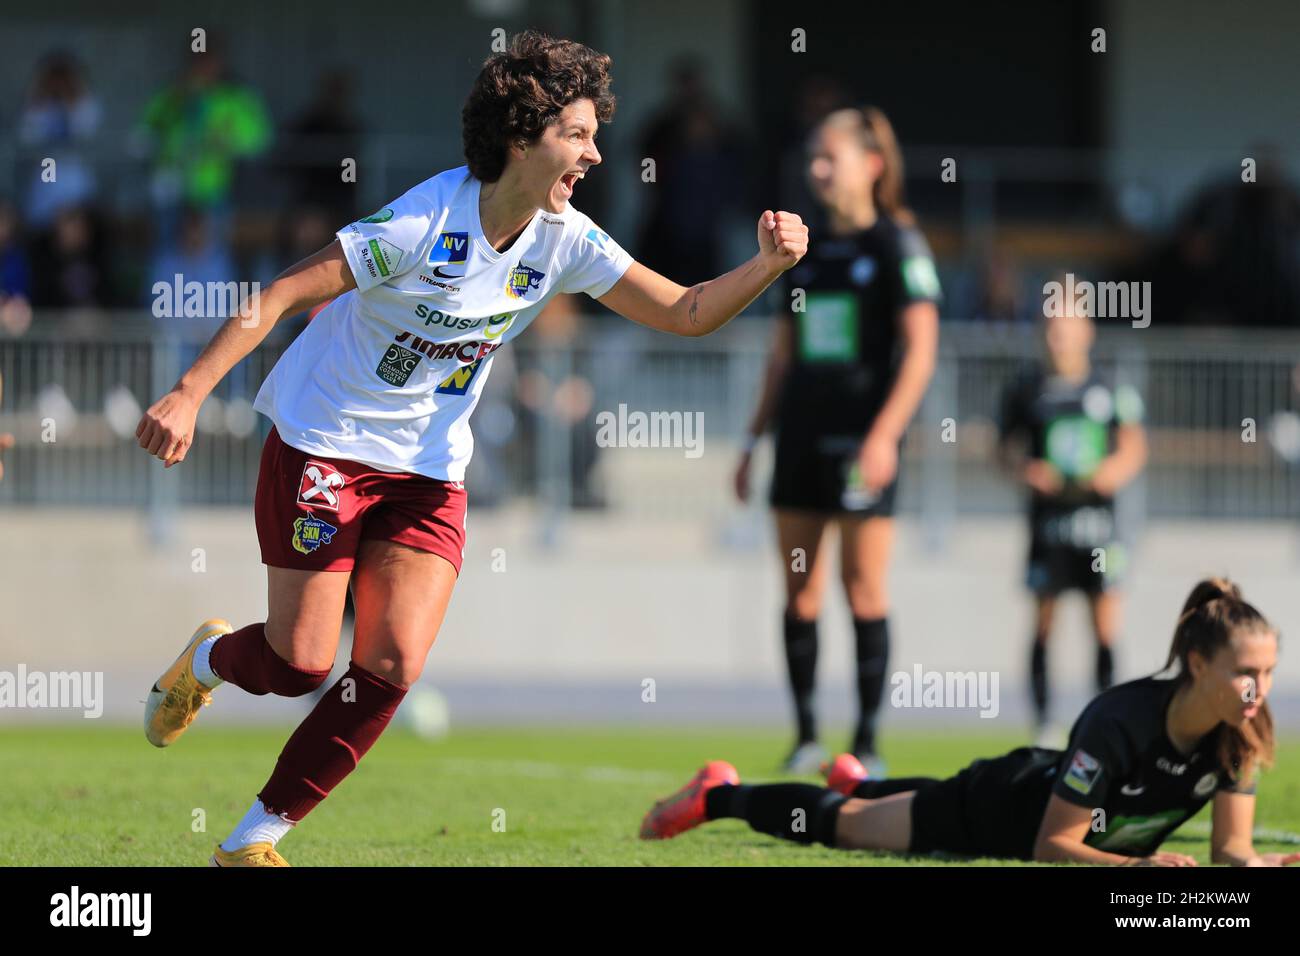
x,y
1131,791
446,275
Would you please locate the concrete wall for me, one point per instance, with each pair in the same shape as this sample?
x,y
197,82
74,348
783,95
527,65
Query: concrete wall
x,y
570,633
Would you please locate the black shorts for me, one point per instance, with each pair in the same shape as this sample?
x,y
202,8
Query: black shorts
x,y
1053,569
991,808
818,472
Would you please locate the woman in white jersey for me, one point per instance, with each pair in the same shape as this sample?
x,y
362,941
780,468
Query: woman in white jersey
x,y
361,478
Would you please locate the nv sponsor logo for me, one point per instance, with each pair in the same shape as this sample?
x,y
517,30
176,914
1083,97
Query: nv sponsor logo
x,y
458,382
449,249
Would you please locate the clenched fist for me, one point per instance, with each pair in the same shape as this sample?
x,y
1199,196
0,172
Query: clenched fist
x,y
166,430
782,238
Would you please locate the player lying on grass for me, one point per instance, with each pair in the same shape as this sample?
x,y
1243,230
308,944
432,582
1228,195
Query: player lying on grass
x,y
362,477
1142,758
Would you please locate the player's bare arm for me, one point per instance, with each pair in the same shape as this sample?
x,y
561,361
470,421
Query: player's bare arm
x,y
166,430
647,298
1061,835
774,374
919,325
1124,463
1231,835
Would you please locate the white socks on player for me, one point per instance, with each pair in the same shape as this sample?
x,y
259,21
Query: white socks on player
x,y
203,671
258,826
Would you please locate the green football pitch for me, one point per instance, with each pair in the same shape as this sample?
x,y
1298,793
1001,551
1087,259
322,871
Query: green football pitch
x,y
484,797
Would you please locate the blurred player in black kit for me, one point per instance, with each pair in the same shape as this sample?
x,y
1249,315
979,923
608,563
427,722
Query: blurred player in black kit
x,y
853,353
1074,440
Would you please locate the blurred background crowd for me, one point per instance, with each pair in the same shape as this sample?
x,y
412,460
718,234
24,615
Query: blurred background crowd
x,y
234,189
215,141
210,163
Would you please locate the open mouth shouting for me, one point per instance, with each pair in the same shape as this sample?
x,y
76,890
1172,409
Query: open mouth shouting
x,y
568,181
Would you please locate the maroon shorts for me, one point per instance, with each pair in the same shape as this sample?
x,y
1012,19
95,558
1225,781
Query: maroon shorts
x,y
313,512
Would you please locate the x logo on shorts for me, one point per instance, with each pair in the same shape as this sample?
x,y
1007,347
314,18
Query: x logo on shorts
x,y
319,486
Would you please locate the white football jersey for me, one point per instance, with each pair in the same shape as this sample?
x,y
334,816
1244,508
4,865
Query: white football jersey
x,y
388,373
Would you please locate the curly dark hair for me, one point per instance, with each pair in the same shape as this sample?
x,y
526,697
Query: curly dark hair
x,y
520,92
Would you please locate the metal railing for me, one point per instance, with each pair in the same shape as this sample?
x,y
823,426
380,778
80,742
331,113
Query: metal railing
x,y
1221,416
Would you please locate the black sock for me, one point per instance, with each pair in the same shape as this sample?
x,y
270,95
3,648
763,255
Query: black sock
x,y
873,658
871,789
793,811
801,658
1038,678
1105,667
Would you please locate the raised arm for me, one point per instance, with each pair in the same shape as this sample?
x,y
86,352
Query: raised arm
x,y
166,430
647,298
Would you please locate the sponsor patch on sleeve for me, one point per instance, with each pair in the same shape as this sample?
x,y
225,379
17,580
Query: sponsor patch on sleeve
x,y
1083,773
386,256
920,277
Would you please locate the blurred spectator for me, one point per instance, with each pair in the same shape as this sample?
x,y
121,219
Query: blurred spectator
x,y
200,126
556,398
196,256
15,274
699,173
995,293
319,140
73,267
305,231
818,96
1235,255
57,121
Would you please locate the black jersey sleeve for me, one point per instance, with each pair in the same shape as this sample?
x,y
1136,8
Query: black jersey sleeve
x,y
917,278
1245,785
1098,757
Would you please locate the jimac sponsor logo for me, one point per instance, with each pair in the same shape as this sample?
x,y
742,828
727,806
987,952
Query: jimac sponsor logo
x,y
449,249
523,279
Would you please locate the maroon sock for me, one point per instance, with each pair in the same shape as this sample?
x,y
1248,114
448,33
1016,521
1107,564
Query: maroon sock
x,y
329,744
245,659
